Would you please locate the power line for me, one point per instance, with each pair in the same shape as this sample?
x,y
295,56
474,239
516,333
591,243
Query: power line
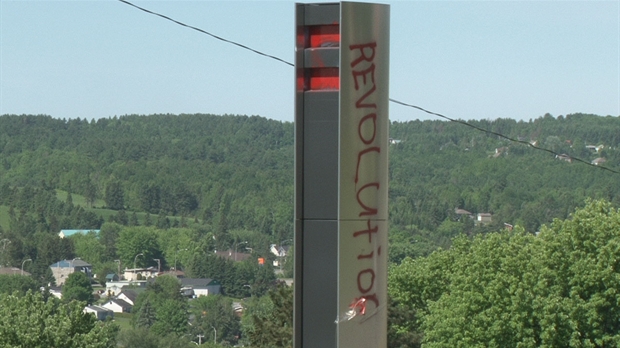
x,y
208,33
501,135
391,99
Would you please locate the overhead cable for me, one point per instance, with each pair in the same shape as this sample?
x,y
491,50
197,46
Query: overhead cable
x,y
391,99
208,33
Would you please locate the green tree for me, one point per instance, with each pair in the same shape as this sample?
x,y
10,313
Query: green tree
x,y
138,240
274,329
77,287
162,308
515,289
143,338
133,221
32,321
108,237
215,312
399,315
88,247
114,195
17,283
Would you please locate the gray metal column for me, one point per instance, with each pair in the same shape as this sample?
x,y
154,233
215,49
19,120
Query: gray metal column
x,y
316,187
341,134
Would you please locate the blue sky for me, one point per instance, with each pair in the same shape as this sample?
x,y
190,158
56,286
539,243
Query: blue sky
x,y
464,59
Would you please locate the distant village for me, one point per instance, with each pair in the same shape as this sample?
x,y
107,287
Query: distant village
x,y
121,289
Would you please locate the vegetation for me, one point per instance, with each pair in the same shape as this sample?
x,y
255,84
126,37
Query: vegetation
x,y
170,190
78,288
273,328
32,321
18,284
516,289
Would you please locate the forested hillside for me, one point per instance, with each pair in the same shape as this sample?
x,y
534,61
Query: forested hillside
x,y
439,166
173,189
236,173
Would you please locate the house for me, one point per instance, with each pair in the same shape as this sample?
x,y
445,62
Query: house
x,y
195,287
55,291
128,296
118,306
99,312
595,148
501,150
112,277
459,211
279,250
69,233
598,161
564,157
140,273
13,271
232,255
115,288
62,269
484,218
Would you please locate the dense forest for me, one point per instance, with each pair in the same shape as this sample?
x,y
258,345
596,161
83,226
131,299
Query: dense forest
x,y
176,188
236,173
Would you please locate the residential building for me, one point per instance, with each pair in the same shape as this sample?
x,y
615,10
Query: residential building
x,y
140,273
280,251
128,296
99,312
115,288
112,277
62,269
484,218
118,306
195,287
69,233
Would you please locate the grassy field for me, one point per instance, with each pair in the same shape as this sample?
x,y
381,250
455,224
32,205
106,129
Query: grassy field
x,y
81,201
78,199
4,217
123,320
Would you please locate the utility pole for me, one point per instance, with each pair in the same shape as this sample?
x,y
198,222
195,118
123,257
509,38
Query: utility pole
x,y
158,264
236,245
119,268
215,336
200,339
134,265
23,264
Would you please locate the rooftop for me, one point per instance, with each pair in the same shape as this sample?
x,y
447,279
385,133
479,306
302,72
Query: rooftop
x,y
70,264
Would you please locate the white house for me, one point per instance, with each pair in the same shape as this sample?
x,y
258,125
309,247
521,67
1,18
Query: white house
x,y
144,273
128,296
115,288
280,251
99,312
117,306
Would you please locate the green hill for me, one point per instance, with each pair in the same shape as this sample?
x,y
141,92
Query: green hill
x,y
236,172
